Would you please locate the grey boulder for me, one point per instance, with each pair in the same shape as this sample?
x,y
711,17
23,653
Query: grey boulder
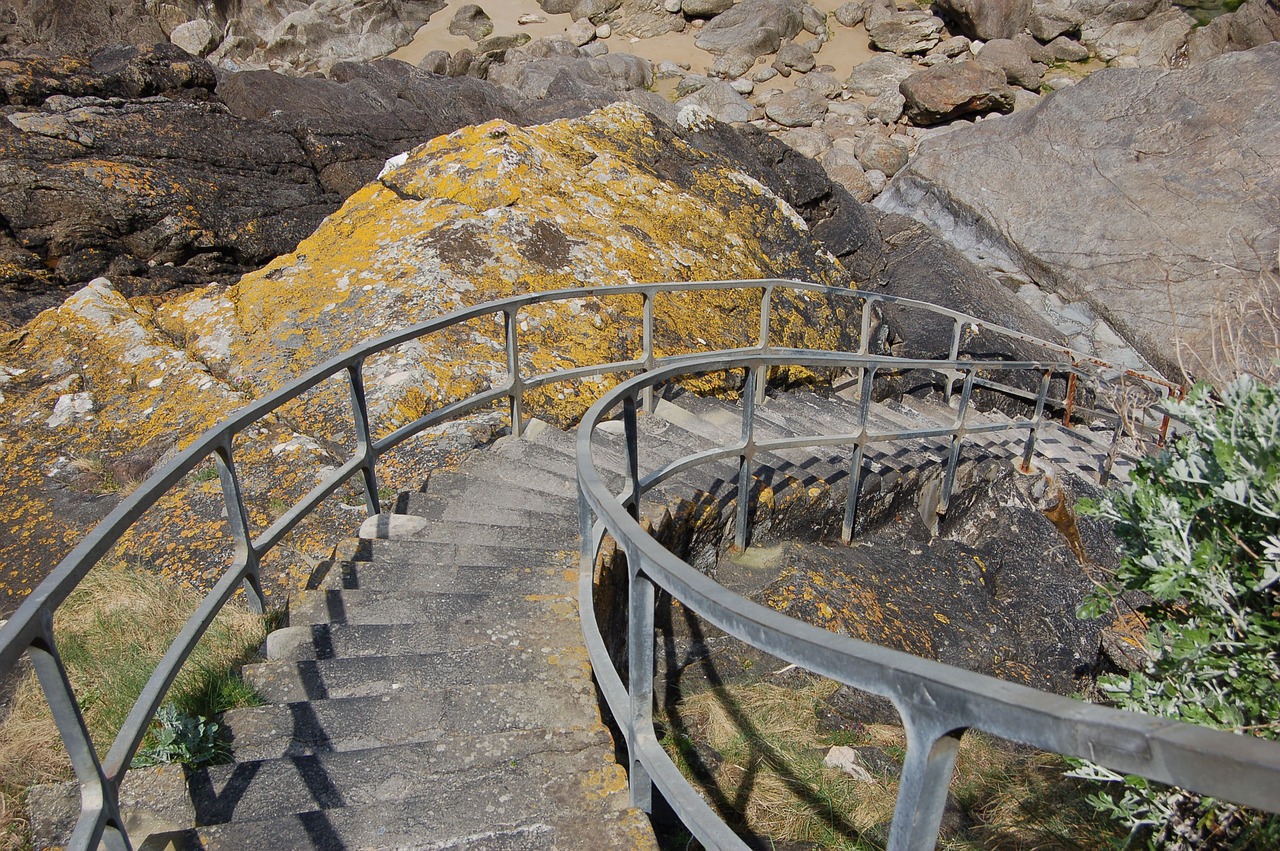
x,y
951,90
1124,191
797,108
986,19
756,27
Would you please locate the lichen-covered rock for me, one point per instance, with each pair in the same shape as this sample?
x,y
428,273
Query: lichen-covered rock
x,y
481,213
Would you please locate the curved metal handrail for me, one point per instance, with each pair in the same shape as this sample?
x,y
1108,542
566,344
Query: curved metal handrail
x,y
937,702
30,629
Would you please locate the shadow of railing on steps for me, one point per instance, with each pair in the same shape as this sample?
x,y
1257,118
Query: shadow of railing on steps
x,y
29,632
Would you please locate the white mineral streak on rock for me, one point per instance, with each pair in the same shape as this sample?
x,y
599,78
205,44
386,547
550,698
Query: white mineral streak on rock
x,y
393,164
70,406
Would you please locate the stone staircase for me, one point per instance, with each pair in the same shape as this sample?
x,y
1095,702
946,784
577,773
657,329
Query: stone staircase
x,y
433,690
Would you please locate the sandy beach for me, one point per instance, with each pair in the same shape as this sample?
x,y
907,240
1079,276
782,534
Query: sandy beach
x,y
846,48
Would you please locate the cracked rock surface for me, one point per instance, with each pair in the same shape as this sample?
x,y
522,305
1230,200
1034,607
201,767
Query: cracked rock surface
x,y
1152,196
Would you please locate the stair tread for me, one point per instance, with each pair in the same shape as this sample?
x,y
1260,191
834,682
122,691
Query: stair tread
x,y
280,786
386,606
363,723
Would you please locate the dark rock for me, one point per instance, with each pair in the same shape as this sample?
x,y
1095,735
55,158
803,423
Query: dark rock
x,y
919,264
472,22
951,90
127,72
217,183
844,226
1178,217
80,27
756,27
1012,58
986,19
437,62
994,591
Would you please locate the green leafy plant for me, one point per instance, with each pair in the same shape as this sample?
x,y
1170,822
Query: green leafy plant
x,y
1199,526
177,737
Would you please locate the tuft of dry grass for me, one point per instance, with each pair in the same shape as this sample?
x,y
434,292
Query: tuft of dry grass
x,y
1241,333
111,632
770,779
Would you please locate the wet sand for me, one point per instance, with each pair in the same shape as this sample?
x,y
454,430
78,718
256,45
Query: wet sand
x,y
848,46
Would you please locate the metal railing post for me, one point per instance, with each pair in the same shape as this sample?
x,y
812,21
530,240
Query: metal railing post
x,y
766,310
631,437
957,328
922,787
513,371
957,440
855,462
99,808
640,656
238,520
745,471
649,297
1033,432
864,334
364,440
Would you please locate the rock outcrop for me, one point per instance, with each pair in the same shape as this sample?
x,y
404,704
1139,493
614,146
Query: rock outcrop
x,y
292,36
98,390
1150,194
132,166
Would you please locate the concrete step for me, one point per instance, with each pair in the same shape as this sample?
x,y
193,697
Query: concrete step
x,y
284,681
271,788
430,797
506,552
463,579
334,641
453,819
361,723
360,606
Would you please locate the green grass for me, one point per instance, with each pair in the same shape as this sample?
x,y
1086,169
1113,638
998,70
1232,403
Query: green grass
x,y
111,632
766,747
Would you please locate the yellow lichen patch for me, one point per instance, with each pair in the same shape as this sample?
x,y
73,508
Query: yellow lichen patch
x,y
483,213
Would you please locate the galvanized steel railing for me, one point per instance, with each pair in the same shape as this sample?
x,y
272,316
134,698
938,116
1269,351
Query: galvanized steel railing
x,y
30,630
937,703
